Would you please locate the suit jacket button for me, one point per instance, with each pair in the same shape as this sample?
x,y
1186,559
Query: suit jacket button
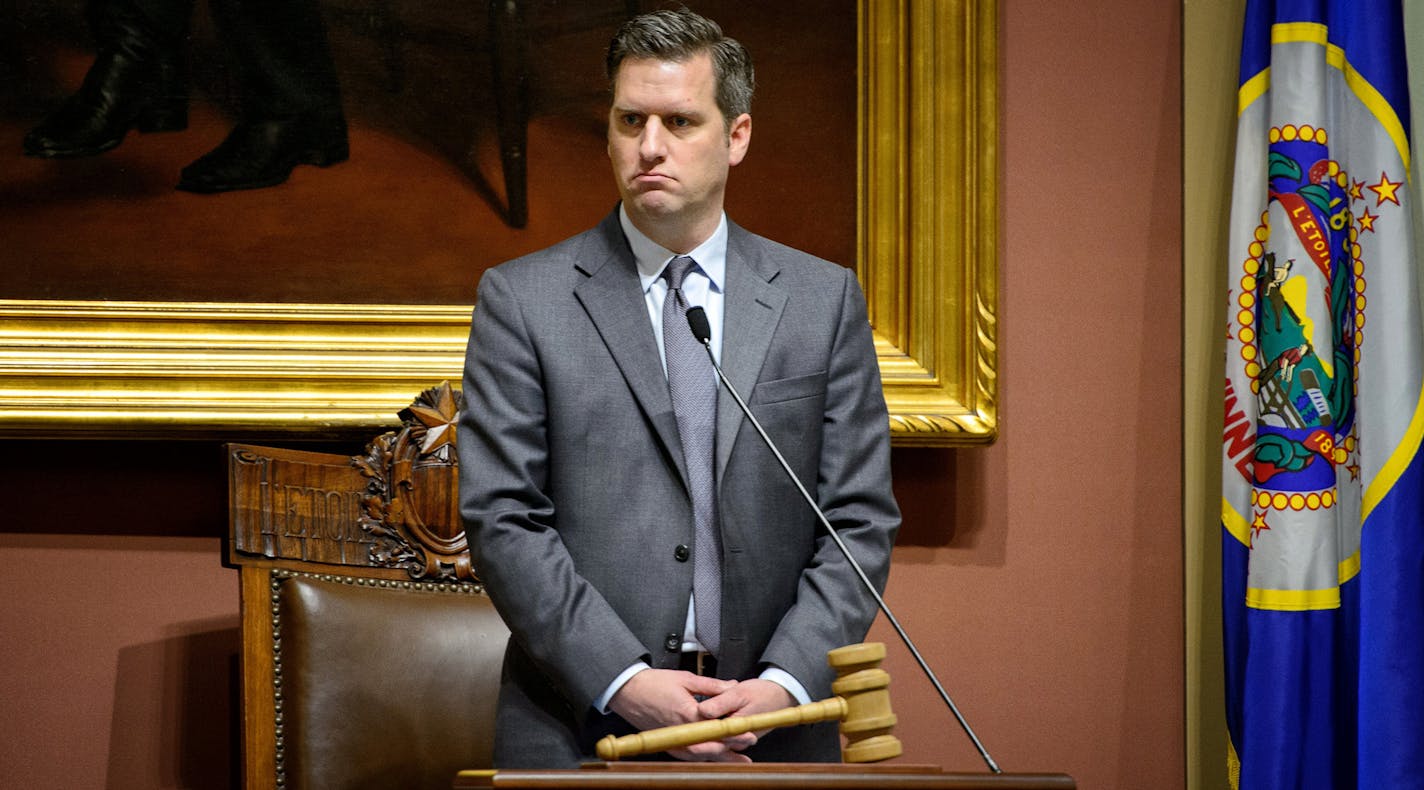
x,y
672,643
681,553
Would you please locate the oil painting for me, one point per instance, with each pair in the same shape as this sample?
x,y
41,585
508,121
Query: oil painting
x,y
209,273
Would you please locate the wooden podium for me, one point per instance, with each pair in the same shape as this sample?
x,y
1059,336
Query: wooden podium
x,y
764,776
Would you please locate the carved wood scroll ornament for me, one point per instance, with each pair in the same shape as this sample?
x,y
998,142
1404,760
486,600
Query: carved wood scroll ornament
x,y
411,505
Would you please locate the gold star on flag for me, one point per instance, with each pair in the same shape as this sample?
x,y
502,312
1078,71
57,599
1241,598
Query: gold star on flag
x,y
1385,190
1258,525
1367,220
1357,190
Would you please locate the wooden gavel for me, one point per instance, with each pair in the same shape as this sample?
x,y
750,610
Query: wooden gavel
x,y
861,704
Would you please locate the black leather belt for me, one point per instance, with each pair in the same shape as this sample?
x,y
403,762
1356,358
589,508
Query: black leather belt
x,y
698,663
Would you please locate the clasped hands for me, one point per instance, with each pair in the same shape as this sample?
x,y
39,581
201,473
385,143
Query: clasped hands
x,y
662,697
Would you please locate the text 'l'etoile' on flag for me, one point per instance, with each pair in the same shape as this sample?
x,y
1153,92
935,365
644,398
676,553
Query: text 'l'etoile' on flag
x,y
1322,477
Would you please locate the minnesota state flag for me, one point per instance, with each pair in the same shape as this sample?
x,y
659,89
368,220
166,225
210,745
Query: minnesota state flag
x,y
1323,481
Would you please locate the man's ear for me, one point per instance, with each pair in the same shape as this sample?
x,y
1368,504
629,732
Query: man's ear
x,y
739,139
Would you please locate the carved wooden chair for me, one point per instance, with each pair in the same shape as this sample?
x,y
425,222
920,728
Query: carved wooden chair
x,y
370,653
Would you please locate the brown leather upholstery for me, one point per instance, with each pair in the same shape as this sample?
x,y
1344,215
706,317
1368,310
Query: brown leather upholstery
x,y
382,687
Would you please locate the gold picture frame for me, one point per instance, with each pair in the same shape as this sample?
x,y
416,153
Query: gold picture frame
x,y
927,237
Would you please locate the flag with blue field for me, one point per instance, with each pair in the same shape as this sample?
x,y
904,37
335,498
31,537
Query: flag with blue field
x,y
1322,477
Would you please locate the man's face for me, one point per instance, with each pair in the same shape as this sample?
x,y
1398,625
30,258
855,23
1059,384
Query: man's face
x,y
669,145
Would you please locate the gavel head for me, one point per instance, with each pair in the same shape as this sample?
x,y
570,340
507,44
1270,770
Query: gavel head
x,y
866,689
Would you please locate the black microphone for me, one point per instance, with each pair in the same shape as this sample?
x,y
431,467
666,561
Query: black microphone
x,y
702,330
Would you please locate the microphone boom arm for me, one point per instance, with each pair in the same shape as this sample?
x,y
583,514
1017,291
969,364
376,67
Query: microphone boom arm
x,y
697,320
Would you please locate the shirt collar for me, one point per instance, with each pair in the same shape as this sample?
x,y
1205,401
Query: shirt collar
x,y
652,258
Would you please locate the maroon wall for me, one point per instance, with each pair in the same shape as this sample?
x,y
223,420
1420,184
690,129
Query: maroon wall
x,y
1044,574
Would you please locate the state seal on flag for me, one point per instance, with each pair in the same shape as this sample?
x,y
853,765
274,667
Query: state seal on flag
x,y
1299,325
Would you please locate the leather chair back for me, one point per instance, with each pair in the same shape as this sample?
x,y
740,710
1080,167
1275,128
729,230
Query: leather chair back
x,y
371,655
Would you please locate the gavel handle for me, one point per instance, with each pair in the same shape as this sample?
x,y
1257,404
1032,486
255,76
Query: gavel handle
x,y
680,735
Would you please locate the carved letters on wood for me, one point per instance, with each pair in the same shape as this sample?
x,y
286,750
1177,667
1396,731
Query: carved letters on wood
x,y
395,506
302,506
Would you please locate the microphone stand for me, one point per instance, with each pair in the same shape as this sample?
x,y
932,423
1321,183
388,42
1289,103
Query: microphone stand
x,y
697,320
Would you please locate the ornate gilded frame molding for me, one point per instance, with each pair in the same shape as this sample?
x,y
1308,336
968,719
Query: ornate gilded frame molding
x,y
928,177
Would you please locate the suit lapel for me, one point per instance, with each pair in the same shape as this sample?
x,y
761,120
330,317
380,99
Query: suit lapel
x,y
613,298
751,311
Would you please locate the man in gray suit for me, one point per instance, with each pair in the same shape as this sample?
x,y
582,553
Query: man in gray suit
x,y
595,503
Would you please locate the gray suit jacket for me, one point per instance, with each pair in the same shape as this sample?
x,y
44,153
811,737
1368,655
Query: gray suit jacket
x,y
573,491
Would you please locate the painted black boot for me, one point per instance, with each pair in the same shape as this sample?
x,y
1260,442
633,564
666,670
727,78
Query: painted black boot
x,y
291,99
259,154
137,81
